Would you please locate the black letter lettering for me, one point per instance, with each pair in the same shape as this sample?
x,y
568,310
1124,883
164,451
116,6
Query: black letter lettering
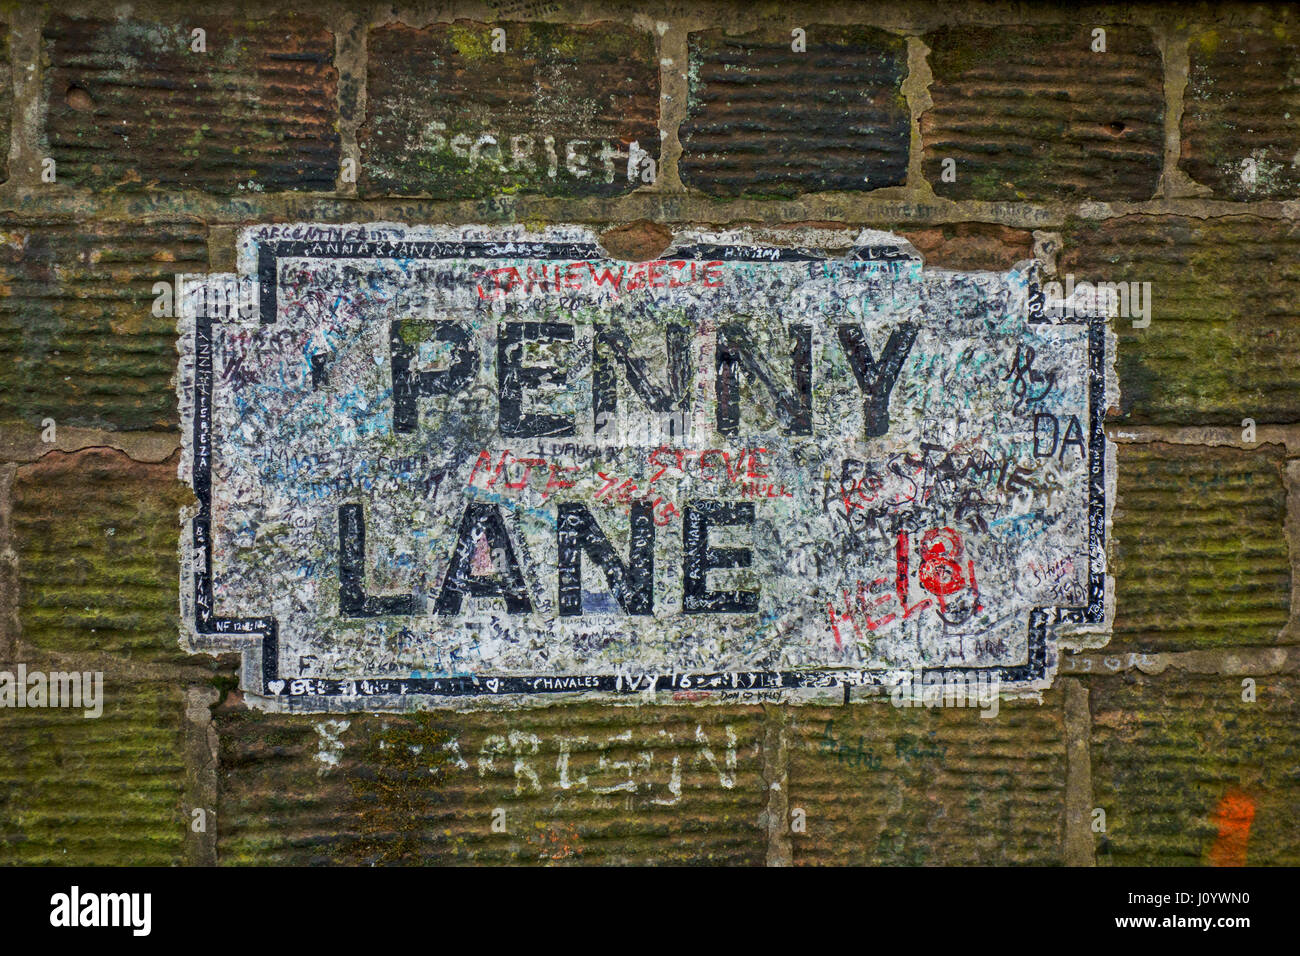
x,y
876,380
1075,429
408,385
700,558
736,349
353,600
513,376
604,391
1056,431
632,583
483,521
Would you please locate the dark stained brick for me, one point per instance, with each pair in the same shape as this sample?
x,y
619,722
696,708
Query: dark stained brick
x,y
1241,112
766,121
276,804
885,785
1200,550
6,101
1224,339
593,784
79,342
1030,112
1172,753
131,106
557,113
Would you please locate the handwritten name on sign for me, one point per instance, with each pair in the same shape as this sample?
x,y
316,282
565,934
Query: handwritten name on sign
x,y
435,464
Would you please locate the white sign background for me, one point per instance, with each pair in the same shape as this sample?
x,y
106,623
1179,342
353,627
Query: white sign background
x,y
435,465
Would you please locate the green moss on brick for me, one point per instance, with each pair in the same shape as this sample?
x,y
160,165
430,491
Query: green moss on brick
x,y
96,536
443,108
1239,133
913,786
422,788
397,781
107,791
1224,338
1167,750
1200,555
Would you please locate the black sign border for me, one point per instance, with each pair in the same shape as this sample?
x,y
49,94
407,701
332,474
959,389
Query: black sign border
x,y
266,629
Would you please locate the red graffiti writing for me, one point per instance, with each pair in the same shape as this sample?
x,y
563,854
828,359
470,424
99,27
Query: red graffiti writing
x,y
625,492
940,574
510,473
574,276
745,467
522,474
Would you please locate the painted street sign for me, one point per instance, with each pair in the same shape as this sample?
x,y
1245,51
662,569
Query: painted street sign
x,y
441,465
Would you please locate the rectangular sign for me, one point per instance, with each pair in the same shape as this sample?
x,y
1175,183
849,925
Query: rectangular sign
x,y
436,465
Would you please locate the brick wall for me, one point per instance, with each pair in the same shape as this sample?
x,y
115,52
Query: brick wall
x,y
984,133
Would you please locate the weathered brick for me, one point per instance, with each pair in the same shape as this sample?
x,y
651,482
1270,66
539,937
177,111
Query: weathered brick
x,y
107,791
971,246
6,101
1239,132
1030,112
883,785
565,110
1224,339
79,342
96,536
277,804
1200,552
638,241
578,784
766,121
131,105
1168,751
